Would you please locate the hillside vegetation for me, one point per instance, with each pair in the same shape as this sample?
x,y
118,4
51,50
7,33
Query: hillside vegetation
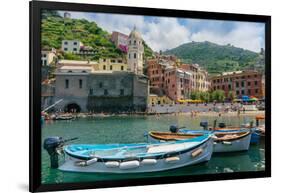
x,y
215,58
55,28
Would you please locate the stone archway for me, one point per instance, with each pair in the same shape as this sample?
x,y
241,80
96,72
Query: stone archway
x,y
72,108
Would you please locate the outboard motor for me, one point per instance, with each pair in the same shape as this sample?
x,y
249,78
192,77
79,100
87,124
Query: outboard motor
x,y
51,145
222,125
204,124
174,128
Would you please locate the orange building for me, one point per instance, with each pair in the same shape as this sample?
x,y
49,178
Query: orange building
x,y
240,83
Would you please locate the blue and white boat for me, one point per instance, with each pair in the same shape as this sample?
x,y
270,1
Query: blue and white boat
x,y
137,158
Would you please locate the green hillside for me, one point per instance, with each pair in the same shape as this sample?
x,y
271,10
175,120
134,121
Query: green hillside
x,y
215,58
55,28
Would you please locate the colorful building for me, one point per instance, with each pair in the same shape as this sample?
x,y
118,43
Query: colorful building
x,y
200,81
240,83
120,40
178,83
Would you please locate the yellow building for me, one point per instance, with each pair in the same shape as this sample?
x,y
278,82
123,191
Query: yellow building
x,y
154,99
111,64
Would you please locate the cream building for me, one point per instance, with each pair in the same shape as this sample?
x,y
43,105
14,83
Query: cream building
x,y
154,99
112,64
48,56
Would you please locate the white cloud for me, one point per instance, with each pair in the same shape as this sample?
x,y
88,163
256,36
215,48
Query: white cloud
x,y
163,33
166,33
160,33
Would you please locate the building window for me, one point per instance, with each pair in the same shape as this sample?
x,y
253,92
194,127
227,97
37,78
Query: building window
x,y
100,84
122,92
45,62
104,60
80,83
122,68
65,49
237,84
242,92
135,42
105,92
65,43
110,67
256,83
223,87
66,83
229,87
112,61
256,91
74,43
237,92
119,61
135,55
129,55
249,83
130,42
74,49
242,84
104,67
249,91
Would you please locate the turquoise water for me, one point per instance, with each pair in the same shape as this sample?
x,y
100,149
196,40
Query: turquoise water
x,y
130,129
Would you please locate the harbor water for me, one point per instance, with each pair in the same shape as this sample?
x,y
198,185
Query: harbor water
x,y
131,129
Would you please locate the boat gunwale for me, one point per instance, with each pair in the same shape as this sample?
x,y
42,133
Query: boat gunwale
x,y
164,155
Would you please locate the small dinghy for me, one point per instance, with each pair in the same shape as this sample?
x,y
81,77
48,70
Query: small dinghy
x,y
63,117
223,141
137,158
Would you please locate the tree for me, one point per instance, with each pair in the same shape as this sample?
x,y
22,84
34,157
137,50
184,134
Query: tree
x,y
231,95
205,96
195,95
218,95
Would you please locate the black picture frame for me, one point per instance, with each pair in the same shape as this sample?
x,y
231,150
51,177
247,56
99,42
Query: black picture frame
x,y
35,94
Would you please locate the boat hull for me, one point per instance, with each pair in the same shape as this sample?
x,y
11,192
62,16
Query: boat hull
x,y
203,153
241,144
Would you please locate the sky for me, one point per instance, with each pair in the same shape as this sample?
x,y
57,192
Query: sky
x,y
162,33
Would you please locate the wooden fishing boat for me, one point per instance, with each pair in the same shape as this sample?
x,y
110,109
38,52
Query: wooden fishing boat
x,y
223,141
135,158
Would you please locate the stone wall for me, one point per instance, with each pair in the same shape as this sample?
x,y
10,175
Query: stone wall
x,y
103,92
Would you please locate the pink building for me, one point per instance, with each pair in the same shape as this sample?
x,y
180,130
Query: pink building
x,y
178,83
120,41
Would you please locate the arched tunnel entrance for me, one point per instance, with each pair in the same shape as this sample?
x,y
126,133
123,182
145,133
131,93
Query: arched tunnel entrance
x,y
72,108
